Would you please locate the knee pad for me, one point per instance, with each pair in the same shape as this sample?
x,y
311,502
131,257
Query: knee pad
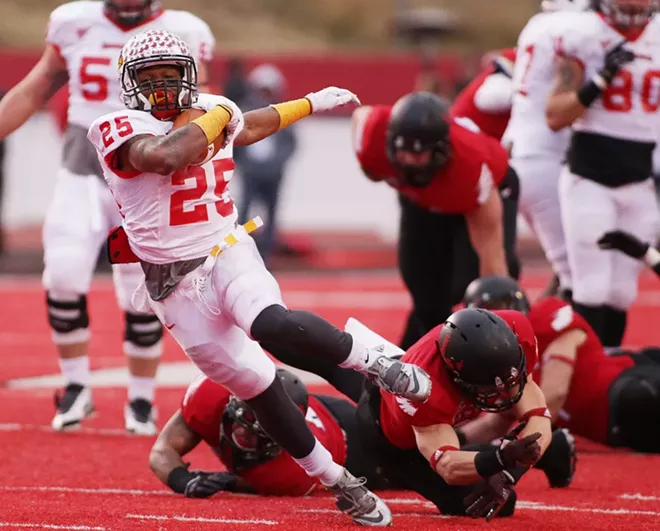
x,y
143,335
68,317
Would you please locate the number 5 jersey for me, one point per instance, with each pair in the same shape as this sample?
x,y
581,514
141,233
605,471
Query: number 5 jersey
x,y
90,44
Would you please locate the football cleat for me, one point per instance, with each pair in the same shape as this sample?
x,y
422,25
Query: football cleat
x,y
72,407
559,460
140,417
401,379
362,505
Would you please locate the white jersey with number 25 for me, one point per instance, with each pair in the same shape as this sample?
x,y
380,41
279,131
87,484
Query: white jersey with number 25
x,y
167,218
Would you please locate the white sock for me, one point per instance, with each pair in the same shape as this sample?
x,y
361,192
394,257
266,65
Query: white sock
x,y
141,387
319,464
359,359
76,370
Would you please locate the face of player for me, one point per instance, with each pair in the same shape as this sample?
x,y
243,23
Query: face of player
x,y
129,12
412,159
631,13
161,85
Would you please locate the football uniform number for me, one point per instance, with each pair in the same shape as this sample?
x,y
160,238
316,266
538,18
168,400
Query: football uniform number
x,y
562,318
618,97
94,87
529,54
199,212
121,126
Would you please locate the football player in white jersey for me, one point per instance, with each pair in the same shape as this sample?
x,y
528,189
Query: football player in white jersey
x,y
177,214
606,88
83,43
536,151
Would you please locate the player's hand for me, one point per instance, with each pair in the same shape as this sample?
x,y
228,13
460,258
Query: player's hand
x,y
330,98
206,484
489,496
520,452
614,60
208,102
625,242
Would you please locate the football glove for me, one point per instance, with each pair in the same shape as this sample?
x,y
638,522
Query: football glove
x,y
489,496
614,60
205,484
330,98
519,453
625,242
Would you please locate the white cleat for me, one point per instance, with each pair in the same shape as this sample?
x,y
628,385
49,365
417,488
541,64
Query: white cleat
x,y
362,505
140,417
72,407
399,378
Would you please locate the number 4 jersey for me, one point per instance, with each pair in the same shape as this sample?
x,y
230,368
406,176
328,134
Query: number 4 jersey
x,y
167,218
90,44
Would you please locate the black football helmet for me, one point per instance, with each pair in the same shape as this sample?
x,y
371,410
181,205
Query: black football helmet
x,y
496,293
130,13
418,137
241,432
482,355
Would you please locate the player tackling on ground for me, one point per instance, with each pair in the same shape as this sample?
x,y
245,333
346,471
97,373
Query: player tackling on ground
x,y
82,46
175,215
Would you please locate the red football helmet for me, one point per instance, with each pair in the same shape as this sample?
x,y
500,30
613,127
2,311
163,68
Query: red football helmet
x,y
628,13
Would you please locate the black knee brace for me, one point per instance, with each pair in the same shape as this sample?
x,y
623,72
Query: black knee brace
x,y
68,316
302,331
143,330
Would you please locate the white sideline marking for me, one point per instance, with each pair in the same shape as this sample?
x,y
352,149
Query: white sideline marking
x,y
52,526
181,518
114,432
639,496
537,506
76,490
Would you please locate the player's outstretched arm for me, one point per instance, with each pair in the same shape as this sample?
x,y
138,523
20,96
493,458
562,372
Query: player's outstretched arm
x,y
267,121
166,154
487,236
532,410
619,240
174,441
564,105
558,360
23,100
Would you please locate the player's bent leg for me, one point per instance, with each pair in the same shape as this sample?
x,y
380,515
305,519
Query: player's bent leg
x,y
252,297
143,348
587,211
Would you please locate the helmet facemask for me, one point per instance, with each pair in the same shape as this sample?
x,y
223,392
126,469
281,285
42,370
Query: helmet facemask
x,y
629,14
416,160
130,14
501,396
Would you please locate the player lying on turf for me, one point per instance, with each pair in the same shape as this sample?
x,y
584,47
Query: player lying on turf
x,y
612,400
254,462
178,215
478,361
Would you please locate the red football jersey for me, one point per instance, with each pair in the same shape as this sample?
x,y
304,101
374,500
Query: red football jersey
x,y
477,165
445,405
202,408
586,411
492,124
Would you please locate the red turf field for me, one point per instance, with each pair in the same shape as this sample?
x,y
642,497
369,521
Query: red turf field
x,y
98,478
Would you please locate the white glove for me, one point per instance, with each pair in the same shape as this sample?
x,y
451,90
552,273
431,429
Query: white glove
x,y
331,97
207,102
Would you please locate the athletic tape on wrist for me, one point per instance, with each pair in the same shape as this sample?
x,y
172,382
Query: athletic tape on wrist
x,y
292,111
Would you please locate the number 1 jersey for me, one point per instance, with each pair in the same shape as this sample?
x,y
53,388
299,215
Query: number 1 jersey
x,y
90,44
174,217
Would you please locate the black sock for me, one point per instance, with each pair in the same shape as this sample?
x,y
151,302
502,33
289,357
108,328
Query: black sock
x,y
302,331
282,420
614,327
594,315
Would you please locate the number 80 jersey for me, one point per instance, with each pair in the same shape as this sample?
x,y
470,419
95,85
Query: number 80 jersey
x,y
627,108
90,44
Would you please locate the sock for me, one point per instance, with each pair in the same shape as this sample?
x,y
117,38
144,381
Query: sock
x,y
359,358
141,387
615,327
319,464
76,370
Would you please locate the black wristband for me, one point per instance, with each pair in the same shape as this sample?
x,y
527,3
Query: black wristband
x,y
488,463
588,93
178,479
